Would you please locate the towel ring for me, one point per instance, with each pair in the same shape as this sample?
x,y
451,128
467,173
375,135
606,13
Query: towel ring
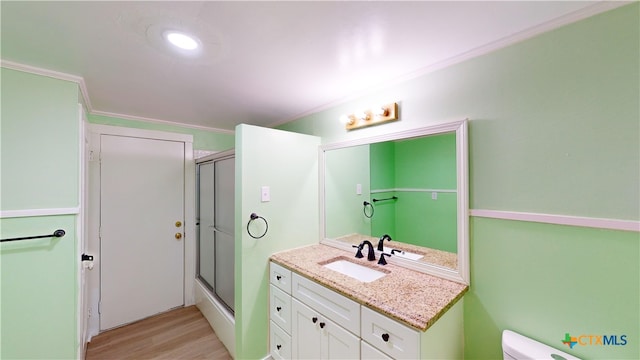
x,y
255,216
364,209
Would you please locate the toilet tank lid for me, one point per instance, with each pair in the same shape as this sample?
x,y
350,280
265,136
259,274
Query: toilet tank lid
x,y
521,347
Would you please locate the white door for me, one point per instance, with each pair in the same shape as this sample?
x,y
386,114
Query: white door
x,y
141,228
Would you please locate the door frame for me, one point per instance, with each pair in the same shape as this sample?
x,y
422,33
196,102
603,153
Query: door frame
x,y
82,235
92,221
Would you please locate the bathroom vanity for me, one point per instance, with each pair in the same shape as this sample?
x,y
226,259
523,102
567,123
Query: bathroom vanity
x,y
317,312
326,303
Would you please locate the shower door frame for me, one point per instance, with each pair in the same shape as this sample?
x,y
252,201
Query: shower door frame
x,y
225,155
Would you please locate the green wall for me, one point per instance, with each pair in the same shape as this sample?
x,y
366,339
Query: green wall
x,y
416,218
345,168
553,129
39,169
264,157
202,139
39,142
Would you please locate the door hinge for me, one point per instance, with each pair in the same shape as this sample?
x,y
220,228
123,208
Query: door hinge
x,y
99,307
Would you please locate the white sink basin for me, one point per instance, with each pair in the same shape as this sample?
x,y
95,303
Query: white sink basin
x,y
358,272
404,254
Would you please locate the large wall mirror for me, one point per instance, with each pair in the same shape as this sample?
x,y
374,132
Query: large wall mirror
x,y
410,185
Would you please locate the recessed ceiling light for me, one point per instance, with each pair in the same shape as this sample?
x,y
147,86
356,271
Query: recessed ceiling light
x,y
181,40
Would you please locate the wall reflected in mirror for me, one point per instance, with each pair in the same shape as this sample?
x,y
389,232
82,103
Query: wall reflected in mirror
x,y
403,188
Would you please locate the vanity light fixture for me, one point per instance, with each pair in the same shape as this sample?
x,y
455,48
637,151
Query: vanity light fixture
x,y
372,116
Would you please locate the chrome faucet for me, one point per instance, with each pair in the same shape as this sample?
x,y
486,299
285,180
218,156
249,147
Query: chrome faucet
x,y
381,241
371,255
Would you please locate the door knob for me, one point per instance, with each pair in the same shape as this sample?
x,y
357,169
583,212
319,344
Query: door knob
x,y
178,223
178,236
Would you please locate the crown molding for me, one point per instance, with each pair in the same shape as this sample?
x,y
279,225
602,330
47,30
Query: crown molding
x,y
87,101
158,121
52,74
597,8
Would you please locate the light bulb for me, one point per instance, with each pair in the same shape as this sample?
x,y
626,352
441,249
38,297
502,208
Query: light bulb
x,y
380,111
181,40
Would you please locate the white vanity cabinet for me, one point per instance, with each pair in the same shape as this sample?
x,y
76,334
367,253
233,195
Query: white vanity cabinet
x,y
311,321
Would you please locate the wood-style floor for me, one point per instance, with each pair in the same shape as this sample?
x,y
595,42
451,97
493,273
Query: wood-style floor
x,y
178,334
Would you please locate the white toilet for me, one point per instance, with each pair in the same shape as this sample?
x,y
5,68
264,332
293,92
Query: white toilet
x,y
518,347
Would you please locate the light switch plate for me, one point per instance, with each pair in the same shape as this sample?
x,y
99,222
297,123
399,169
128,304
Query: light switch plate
x,y
265,194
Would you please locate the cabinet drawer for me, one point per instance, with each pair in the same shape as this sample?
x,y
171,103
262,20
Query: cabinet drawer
x,y
339,309
401,342
368,352
280,308
280,277
280,342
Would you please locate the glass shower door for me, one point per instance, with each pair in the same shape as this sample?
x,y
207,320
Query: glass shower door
x,y
216,248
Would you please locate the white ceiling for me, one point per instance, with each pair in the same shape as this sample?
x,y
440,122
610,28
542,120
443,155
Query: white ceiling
x,y
263,63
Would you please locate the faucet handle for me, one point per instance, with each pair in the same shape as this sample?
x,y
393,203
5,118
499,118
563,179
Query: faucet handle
x,y
382,261
359,252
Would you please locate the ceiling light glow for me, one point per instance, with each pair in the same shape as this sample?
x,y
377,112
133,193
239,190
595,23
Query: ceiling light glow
x,y
181,40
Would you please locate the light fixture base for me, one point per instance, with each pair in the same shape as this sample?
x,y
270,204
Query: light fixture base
x,y
386,113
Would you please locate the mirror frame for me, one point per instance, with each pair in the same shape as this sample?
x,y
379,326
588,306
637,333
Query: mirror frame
x,y
461,274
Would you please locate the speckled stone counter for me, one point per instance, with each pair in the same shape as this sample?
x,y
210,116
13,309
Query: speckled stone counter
x,y
411,297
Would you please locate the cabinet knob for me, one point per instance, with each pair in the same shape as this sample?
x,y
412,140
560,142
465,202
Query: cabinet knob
x,y
322,325
278,346
385,337
314,319
278,277
278,308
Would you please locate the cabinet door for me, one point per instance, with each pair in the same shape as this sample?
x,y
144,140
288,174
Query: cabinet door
x,y
306,340
338,343
315,337
370,353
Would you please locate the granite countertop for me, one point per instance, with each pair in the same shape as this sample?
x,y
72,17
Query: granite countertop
x,y
413,298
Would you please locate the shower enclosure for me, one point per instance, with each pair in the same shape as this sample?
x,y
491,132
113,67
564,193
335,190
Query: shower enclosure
x,y
215,225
